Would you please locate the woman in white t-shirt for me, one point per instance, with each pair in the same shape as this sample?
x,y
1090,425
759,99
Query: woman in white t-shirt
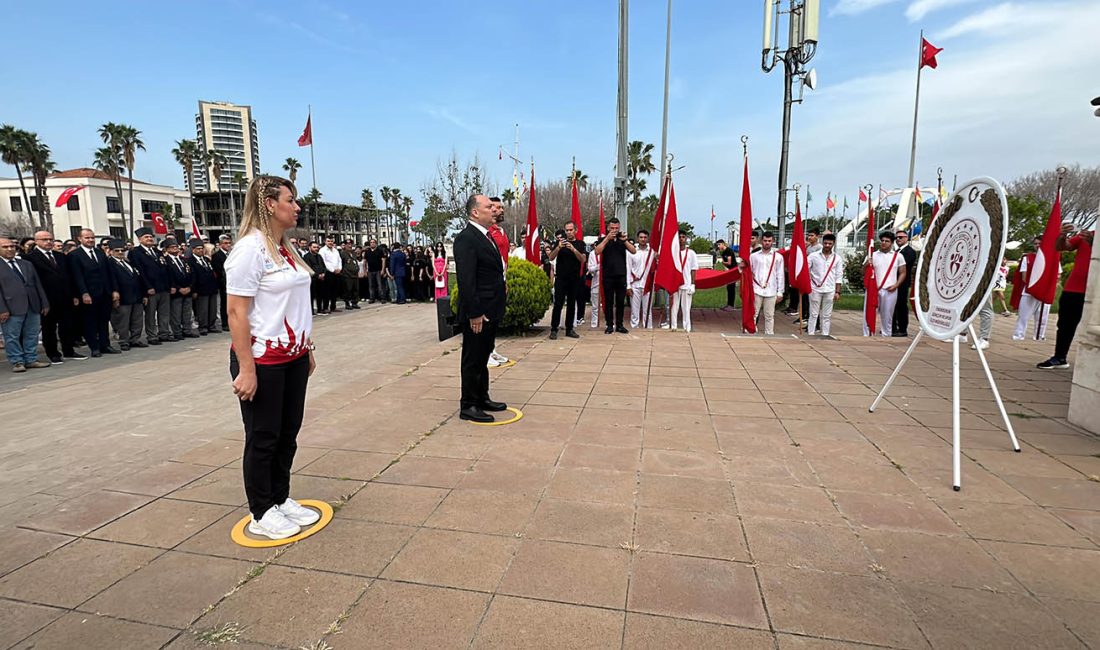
x,y
267,284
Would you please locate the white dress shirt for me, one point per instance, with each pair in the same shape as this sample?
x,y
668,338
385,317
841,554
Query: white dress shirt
x,y
767,273
825,272
331,258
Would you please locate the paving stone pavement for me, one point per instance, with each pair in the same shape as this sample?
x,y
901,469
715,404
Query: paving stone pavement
x,y
664,490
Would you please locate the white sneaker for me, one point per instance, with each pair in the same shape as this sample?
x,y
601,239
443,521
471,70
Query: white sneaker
x,y
500,358
982,344
492,363
297,513
274,525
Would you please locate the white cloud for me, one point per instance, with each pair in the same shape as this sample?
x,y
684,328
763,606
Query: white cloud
x,y
447,115
853,7
1011,17
918,9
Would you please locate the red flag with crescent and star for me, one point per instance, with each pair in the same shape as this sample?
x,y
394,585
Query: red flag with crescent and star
x,y
306,138
160,226
66,195
928,53
1046,268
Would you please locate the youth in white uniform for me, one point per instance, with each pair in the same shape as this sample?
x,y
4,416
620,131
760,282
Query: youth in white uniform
x,y
594,294
768,279
889,268
1030,307
825,269
681,300
638,265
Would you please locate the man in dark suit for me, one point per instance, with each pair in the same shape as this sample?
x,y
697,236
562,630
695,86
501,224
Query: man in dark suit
x,y
22,304
181,279
225,244
481,301
150,263
204,295
127,314
54,276
95,287
901,312
312,257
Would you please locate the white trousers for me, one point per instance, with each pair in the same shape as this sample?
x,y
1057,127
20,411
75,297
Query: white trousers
x,y
681,304
595,297
765,306
821,306
887,300
1031,308
639,308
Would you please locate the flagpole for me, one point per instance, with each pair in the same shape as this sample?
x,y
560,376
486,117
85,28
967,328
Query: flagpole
x,y
312,164
916,108
664,119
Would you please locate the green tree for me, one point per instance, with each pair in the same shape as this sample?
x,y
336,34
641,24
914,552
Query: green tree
x,y
701,245
112,135
454,182
40,166
15,151
291,167
239,181
582,179
434,223
186,153
639,163
129,144
1027,217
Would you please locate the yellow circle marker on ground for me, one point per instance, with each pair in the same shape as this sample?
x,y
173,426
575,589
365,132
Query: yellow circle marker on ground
x,y
242,537
511,362
518,415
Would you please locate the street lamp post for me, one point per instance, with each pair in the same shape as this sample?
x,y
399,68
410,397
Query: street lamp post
x,y
801,46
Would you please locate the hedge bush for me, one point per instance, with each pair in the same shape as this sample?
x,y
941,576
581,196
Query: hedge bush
x,y
528,296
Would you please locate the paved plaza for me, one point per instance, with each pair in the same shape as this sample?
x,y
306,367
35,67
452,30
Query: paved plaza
x,y
664,490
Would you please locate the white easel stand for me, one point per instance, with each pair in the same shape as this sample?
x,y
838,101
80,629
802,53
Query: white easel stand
x,y
956,463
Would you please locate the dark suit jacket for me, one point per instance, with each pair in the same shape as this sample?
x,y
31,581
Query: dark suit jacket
x,y
92,278
480,276
398,264
315,262
152,269
180,277
54,277
218,260
19,296
206,282
910,257
131,286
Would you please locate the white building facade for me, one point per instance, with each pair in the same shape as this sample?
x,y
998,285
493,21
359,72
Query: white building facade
x,y
95,206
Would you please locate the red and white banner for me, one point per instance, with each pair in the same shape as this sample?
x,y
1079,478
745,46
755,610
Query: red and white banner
x,y
66,195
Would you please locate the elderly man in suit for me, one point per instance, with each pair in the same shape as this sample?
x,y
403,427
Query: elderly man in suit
x,y
153,267
22,303
128,313
50,265
481,300
95,287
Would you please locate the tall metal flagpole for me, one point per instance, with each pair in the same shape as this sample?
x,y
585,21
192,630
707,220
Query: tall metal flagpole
x,y
515,182
916,109
312,163
621,170
664,118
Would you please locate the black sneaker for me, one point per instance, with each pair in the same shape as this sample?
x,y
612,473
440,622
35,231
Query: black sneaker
x,y
622,330
571,334
76,356
1053,363
553,335
608,329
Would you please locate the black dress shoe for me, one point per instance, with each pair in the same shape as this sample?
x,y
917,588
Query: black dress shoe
x,y
125,347
494,406
553,335
139,344
190,335
608,329
75,356
900,335
622,330
96,354
154,341
475,414
571,334
110,350
56,359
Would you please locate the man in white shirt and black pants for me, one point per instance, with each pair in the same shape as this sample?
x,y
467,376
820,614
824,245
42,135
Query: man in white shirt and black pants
x,y
766,266
890,273
824,284
334,267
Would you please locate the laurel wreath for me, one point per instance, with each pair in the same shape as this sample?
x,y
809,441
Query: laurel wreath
x,y
992,204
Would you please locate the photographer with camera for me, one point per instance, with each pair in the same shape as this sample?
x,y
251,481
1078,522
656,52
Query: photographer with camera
x,y
569,256
612,253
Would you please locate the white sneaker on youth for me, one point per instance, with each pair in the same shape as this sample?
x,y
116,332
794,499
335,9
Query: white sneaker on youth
x,y
274,525
297,513
492,363
500,358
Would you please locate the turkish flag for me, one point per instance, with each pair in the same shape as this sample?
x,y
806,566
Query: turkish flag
x,y
603,225
1047,266
830,204
414,224
306,139
928,53
670,259
744,249
870,284
575,214
863,196
655,232
66,195
798,268
531,240
160,226
195,229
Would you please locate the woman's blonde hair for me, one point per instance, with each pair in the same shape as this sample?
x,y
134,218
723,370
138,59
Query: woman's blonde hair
x,y
257,216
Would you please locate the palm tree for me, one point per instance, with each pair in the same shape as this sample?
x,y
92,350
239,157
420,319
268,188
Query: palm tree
x,y
239,181
386,193
582,179
130,142
13,151
291,167
640,162
39,164
112,135
186,153
367,202
217,162
508,196
407,204
395,217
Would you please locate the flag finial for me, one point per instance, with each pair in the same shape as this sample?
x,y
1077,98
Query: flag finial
x,y
745,145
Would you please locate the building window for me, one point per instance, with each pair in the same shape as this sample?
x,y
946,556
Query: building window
x,y
74,233
114,205
179,210
74,203
34,203
152,206
118,232
16,203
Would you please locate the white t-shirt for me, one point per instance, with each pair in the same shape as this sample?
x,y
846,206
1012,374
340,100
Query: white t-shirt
x,y
638,265
886,268
689,262
825,272
280,317
767,273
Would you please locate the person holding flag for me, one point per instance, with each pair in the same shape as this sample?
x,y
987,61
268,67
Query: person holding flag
x,y
639,265
766,268
688,263
889,273
1026,305
825,282
1071,304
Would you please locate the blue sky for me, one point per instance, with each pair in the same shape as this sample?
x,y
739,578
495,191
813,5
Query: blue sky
x,y
397,86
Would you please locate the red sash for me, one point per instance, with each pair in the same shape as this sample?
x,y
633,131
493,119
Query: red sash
x,y
645,267
827,272
768,280
878,284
